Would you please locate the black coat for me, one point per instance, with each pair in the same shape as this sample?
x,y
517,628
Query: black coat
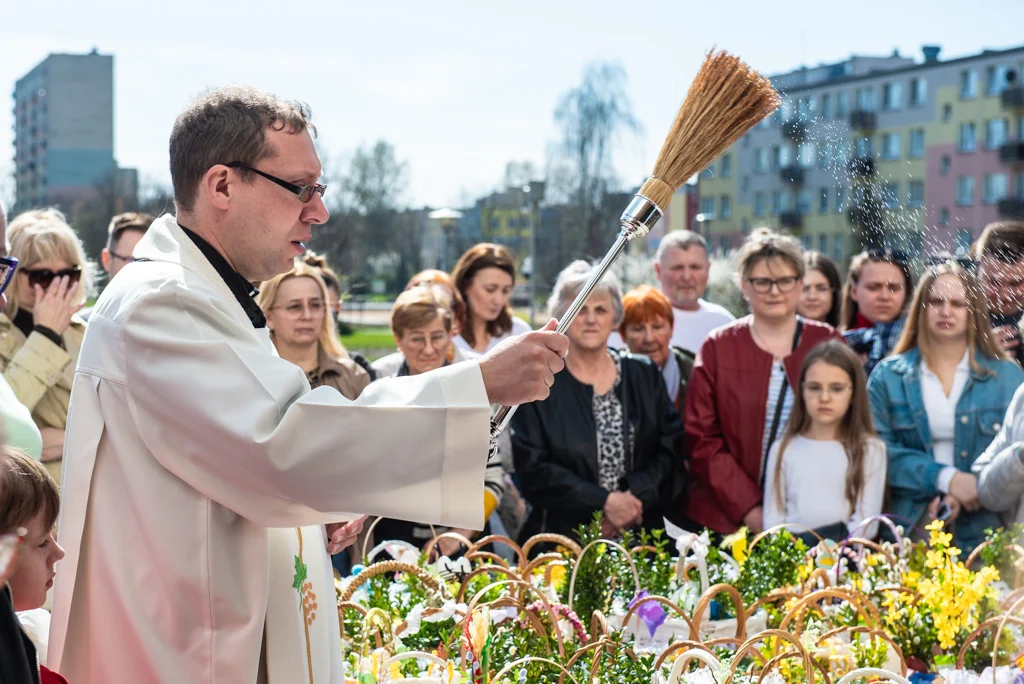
x,y
554,444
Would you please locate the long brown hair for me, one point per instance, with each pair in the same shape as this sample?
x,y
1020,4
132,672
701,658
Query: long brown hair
x,y
476,259
980,338
855,428
857,264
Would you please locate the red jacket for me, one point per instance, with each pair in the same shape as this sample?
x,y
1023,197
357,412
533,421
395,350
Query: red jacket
x,y
724,420
48,677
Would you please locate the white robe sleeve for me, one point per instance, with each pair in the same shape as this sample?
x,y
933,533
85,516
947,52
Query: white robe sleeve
x,y
772,513
240,425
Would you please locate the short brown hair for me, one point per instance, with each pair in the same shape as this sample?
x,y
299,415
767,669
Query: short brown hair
x,y
476,259
417,307
131,220
228,125
764,244
26,490
1002,240
644,303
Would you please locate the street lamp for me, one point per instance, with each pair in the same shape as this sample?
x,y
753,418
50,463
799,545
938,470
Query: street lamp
x,y
535,192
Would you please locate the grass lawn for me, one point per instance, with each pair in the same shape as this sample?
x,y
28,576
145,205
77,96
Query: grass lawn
x,y
371,342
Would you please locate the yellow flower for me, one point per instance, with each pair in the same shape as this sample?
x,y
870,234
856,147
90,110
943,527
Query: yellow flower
x,y
737,543
557,576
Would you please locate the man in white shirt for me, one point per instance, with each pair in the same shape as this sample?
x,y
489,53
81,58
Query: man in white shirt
x,y
199,467
682,266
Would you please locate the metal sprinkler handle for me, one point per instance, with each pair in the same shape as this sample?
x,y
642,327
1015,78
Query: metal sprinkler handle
x,y
637,221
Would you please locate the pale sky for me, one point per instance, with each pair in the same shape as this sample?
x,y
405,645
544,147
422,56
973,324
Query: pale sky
x,y
459,88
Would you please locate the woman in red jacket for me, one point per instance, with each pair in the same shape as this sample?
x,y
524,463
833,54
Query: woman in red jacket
x,y
741,388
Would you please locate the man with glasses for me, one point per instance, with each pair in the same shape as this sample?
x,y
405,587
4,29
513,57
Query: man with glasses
x,y
123,233
1000,256
195,451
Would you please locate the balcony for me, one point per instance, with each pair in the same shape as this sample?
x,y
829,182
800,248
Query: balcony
x,y
792,174
863,120
1012,207
791,219
864,217
861,166
794,130
1012,152
1013,97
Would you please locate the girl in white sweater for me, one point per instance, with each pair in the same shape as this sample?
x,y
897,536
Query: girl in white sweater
x,y
827,473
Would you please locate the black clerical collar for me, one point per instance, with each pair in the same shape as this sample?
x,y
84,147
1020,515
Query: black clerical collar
x,y
243,290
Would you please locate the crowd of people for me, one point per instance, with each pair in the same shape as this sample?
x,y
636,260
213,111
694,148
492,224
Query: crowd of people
x,y
829,404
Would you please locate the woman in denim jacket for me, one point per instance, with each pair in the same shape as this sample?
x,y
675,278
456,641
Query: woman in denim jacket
x,y
939,402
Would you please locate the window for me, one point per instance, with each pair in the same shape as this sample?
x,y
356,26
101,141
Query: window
x,y
776,202
944,164
916,149
918,92
892,96
965,191
805,108
996,133
826,106
805,154
968,84
840,206
964,238
890,195
760,160
726,166
707,207
947,112
995,79
865,98
915,194
709,172
726,206
823,243
968,137
891,146
805,243
839,249
787,200
841,105
786,109
995,188
944,216
759,204
785,155
745,185
803,201
823,201
776,158
865,147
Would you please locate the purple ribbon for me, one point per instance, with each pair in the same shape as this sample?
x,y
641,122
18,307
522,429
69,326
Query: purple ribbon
x,y
650,613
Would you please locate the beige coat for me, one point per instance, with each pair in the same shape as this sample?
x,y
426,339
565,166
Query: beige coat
x,y
40,373
188,437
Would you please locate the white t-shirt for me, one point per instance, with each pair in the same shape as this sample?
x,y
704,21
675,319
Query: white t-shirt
x,y
519,326
692,327
814,485
941,410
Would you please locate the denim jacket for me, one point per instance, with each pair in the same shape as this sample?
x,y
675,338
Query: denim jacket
x,y
902,423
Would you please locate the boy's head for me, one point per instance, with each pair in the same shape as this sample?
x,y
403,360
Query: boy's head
x,y
29,499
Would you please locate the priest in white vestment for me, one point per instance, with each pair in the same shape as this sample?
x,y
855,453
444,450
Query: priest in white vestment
x,y
193,452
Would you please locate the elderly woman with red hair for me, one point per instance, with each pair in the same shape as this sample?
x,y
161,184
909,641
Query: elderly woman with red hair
x,y
646,328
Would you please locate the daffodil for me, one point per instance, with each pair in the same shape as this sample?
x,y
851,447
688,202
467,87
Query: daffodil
x,y
737,545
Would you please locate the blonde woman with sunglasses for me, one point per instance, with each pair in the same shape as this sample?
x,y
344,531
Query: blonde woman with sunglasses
x,y
40,331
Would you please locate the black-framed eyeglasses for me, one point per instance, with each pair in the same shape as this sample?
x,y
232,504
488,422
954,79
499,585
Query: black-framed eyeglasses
x,y
127,259
765,285
8,265
44,276
303,192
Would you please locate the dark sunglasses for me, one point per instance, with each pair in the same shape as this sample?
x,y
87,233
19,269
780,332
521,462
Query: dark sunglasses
x,y
303,192
8,265
44,276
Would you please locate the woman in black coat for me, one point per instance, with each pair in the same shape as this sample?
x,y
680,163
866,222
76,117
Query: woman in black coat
x,y
607,438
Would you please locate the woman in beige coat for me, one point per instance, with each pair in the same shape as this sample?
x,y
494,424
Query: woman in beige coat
x,y
295,304
40,333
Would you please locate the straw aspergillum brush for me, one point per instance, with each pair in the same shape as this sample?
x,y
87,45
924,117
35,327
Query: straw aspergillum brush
x,y
725,100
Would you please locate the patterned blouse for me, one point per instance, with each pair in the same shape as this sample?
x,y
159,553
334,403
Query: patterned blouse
x,y
611,434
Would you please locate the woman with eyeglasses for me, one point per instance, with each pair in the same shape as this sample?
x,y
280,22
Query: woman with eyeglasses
x,y
819,299
939,401
878,288
740,391
40,332
295,304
